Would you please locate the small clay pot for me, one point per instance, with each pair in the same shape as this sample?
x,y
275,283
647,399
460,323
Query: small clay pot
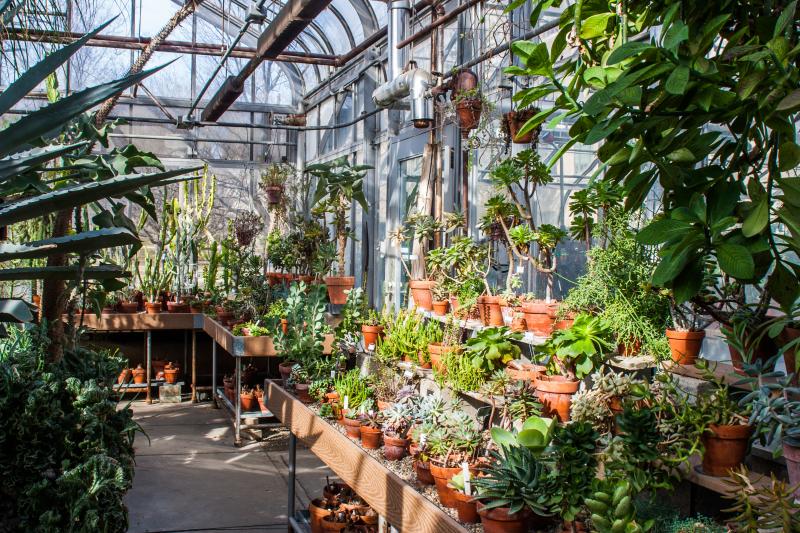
x,y
630,349
371,437
421,356
440,307
317,512
467,508
152,308
436,350
337,287
285,368
519,370
515,120
441,477
421,293
128,307
261,404
394,449
518,324
249,402
423,471
372,334
685,345
124,376
555,393
352,427
332,397
158,366
726,447
498,520
171,373
139,375
539,317
225,317
301,391
177,307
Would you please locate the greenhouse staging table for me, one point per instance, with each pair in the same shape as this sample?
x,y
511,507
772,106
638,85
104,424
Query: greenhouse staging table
x,y
391,497
146,323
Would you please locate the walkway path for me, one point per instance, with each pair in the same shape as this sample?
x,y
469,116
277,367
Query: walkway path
x,y
190,477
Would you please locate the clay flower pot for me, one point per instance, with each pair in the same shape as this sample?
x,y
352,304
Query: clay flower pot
x,y
421,293
152,308
352,427
301,390
792,456
372,334
261,404
786,336
329,525
498,520
515,120
124,376
421,358
139,375
763,351
285,368
371,437
467,508
337,285
726,447
490,311
436,350
441,477
129,307
555,393
316,513
394,448
685,345
331,397
518,324
274,194
177,307
440,307
171,373
225,317
539,317
468,111
249,402
518,370
630,348
423,471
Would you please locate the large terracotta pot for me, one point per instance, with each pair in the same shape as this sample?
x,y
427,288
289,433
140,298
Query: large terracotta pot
x,y
539,317
685,345
490,311
394,448
139,375
468,111
371,437
423,471
337,285
786,336
175,307
440,307
371,335
499,521
726,447
515,120
467,508
555,393
421,293
152,308
441,477
436,351
352,427
171,373
792,456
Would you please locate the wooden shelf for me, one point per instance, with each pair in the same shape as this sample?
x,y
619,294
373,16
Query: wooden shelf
x,y
722,371
404,507
141,321
721,485
240,346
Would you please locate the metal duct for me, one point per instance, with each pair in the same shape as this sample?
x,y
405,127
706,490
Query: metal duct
x,y
414,83
398,21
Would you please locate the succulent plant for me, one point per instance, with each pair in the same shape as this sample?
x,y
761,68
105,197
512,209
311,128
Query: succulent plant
x,y
397,420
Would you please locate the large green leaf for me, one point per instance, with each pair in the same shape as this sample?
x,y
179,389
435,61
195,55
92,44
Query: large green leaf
x,y
20,162
65,272
81,242
14,310
735,260
662,230
37,73
44,120
80,194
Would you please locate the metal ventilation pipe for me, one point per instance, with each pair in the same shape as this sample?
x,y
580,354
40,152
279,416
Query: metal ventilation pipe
x,y
398,22
415,83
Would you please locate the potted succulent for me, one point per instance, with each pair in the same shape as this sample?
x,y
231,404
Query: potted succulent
x,y
273,180
492,348
128,300
469,106
453,442
353,390
396,425
339,184
370,427
352,422
450,342
248,400
440,294
371,329
573,353
301,381
686,336
171,373
225,311
153,281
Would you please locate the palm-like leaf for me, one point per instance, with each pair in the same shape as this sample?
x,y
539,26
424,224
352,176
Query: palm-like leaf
x,y
20,162
81,242
65,272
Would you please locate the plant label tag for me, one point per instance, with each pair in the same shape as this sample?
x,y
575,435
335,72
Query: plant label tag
x,y
423,438
333,374
408,374
520,269
465,473
346,402
371,347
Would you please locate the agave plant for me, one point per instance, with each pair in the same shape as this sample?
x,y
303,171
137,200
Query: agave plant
x,y
46,169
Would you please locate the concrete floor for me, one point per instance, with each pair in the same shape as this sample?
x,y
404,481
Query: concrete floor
x,y
190,477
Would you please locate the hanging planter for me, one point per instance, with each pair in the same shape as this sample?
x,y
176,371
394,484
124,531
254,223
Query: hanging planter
x,y
515,120
274,194
468,111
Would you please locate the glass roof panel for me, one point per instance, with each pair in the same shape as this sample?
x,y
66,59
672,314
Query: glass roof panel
x,y
349,13
380,13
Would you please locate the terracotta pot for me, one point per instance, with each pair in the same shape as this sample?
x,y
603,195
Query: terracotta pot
x,y
515,120
499,521
337,285
436,351
285,368
421,293
139,375
328,525
792,456
524,371
423,471
316,513
762,352
726,447
421,358
353,427
301,391
152,308
394,449
171,373
685,345
371,437
489,308
468,111
555,393
630,349
518,323
124,376
129,307
539,317
196,307
441,477
274,194
176,307
108,310
158,366
383,405
261,404
225,317
332,397
372,334
786,336
467,508
440,307
249,402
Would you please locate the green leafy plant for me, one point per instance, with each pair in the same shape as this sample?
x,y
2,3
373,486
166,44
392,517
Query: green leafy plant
x,y
612,508
574,467
352,386
535,434
305,316
492,348
576,351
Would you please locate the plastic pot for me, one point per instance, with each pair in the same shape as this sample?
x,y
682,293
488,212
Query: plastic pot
x,y
440,307
337,285
685,345
498,520
371,437
372,334
555,393
421,293
352,427
394,448
726,447
467,508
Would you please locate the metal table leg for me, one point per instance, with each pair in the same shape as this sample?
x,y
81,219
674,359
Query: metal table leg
x,y
149,355
214,373
237,422
194,366
292,470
